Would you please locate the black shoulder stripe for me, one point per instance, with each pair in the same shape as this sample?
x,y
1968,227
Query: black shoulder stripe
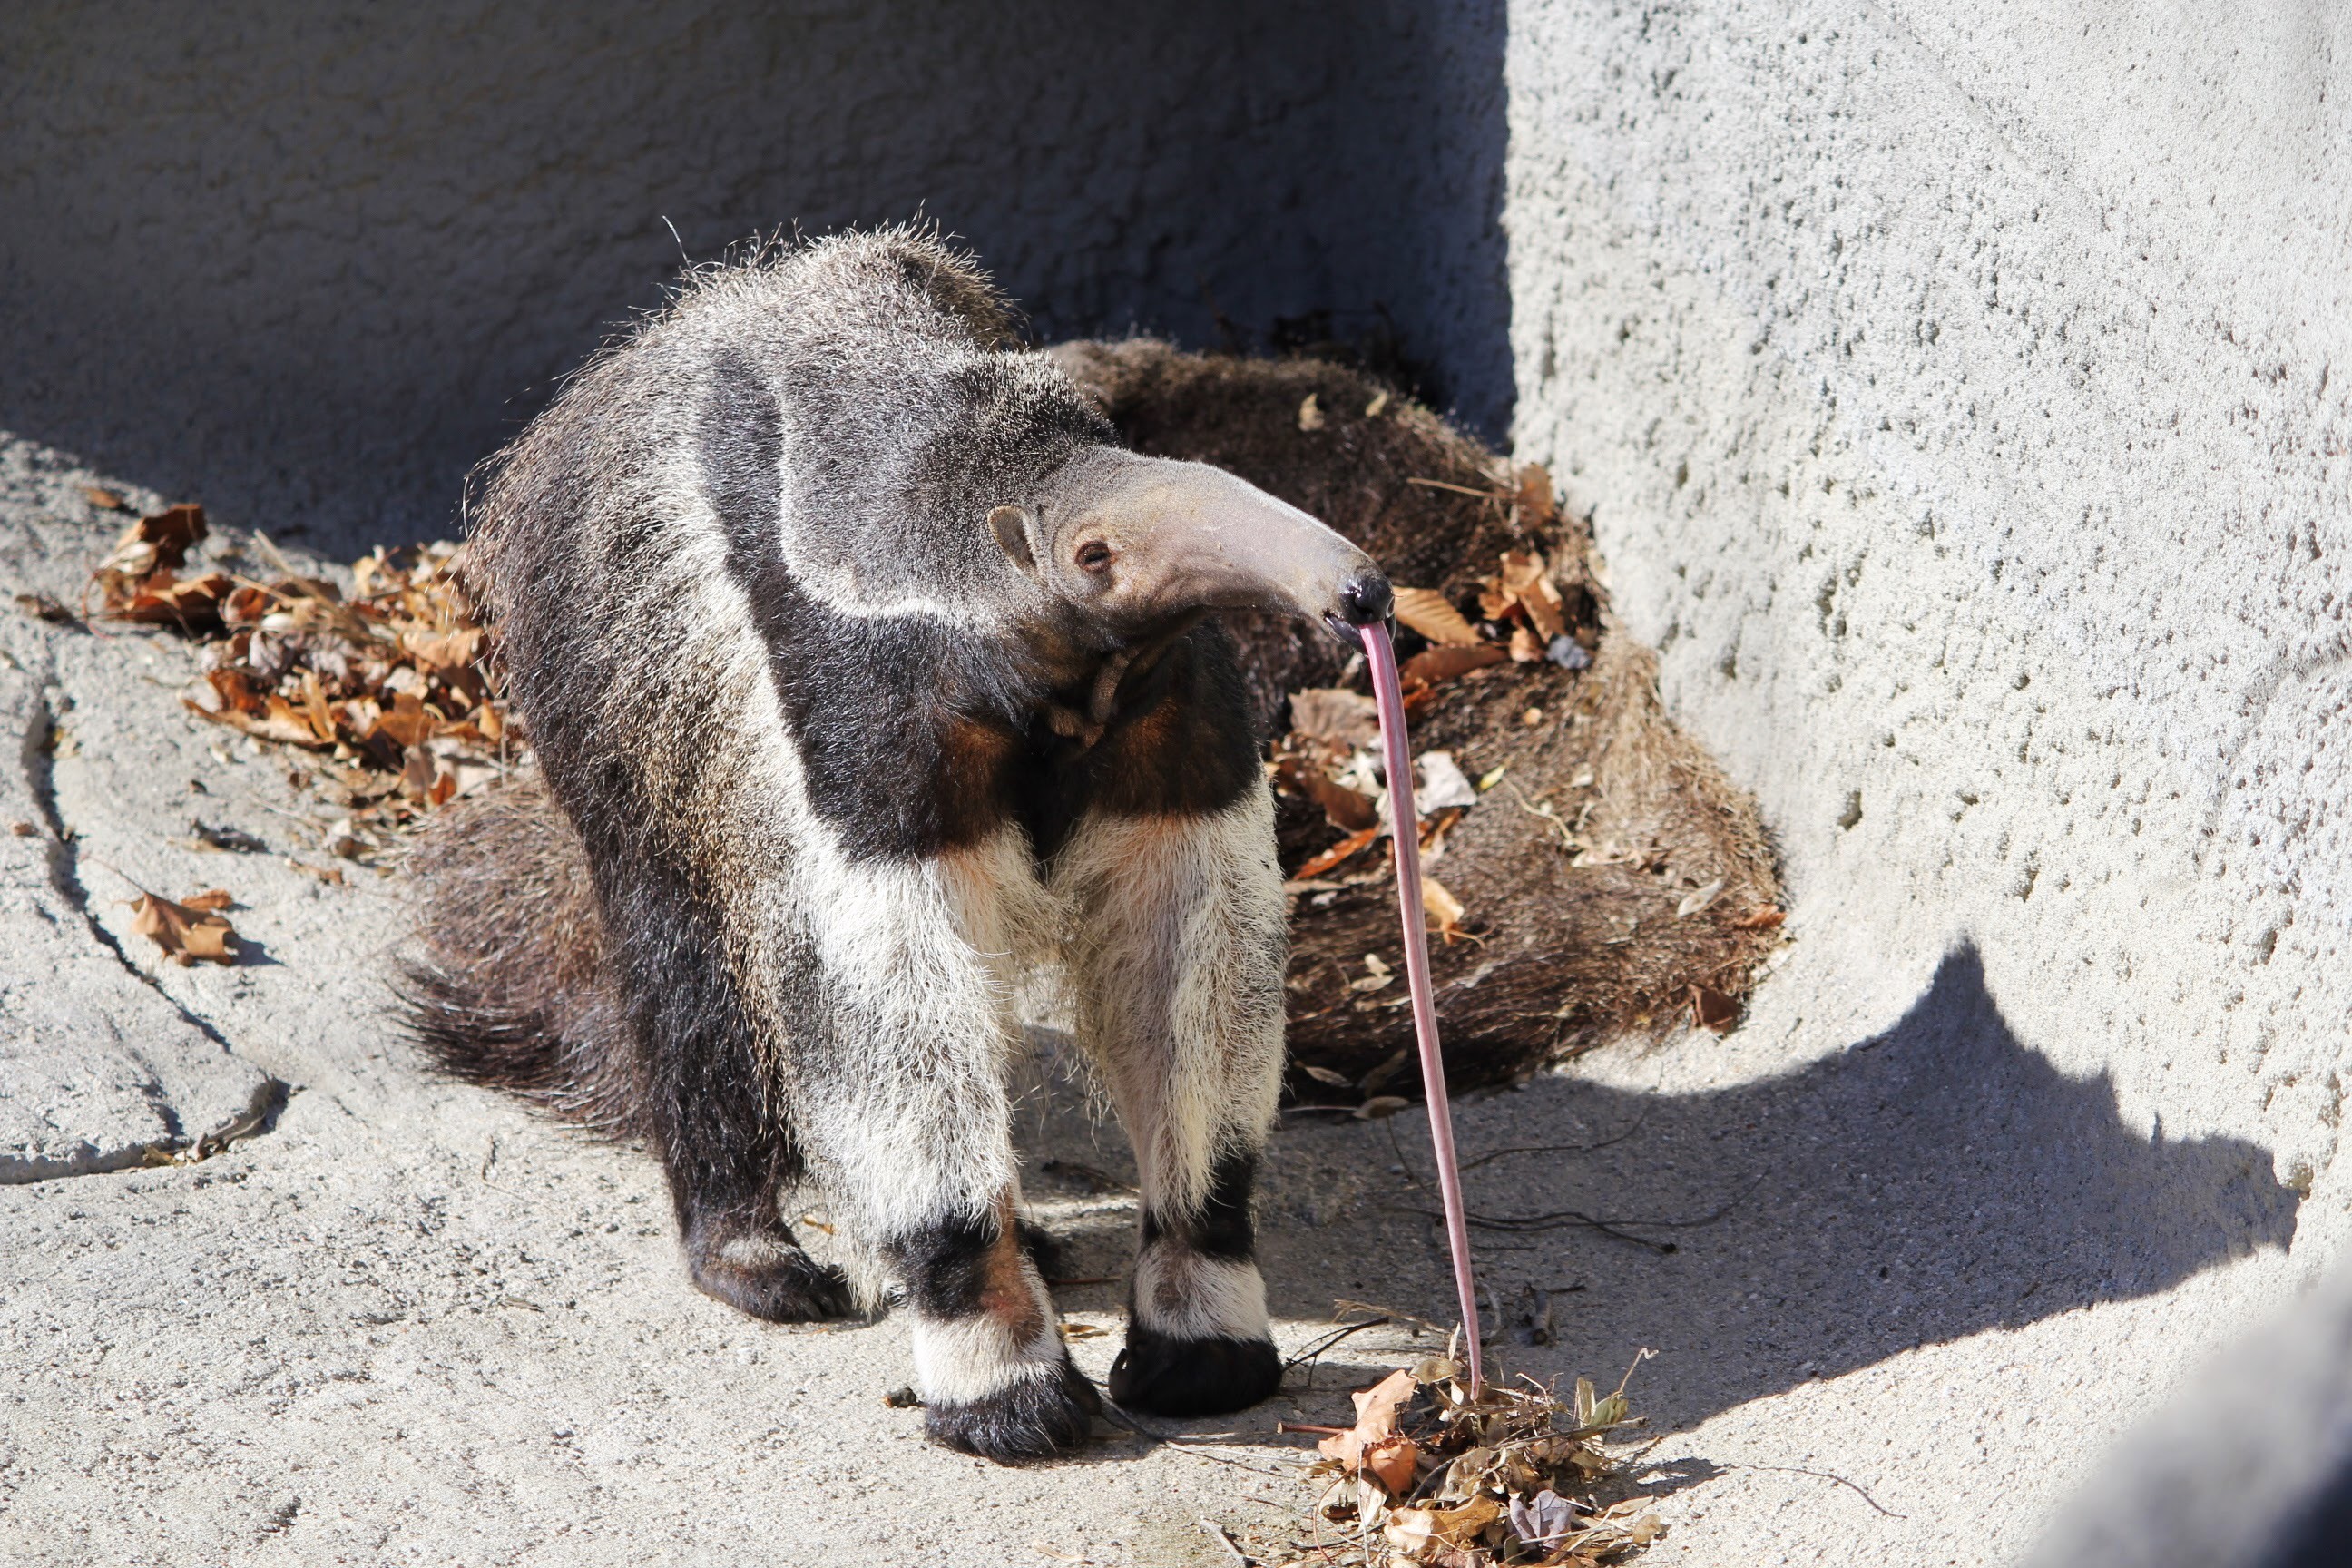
x,y
741,430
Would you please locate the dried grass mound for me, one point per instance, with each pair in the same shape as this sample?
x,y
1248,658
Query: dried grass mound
x,y
1601,874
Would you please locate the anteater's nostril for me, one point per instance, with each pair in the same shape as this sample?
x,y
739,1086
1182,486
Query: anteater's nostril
x,y
1365,600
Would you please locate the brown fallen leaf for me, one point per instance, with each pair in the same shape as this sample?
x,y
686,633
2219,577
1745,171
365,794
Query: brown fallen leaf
x,y
1392,1462
446,650
1349,811
1335,716
105,501
1525,646
153,544
1434,665
212,901
1764,918
1338,852
406,722
1524,581
42,607
1429,612
1376,1421
161,599
1711,1009
1417,1533
1537,509
1444,910
184,934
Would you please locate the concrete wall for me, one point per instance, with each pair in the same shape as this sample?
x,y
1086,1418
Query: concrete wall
x,y
309,262
1965,394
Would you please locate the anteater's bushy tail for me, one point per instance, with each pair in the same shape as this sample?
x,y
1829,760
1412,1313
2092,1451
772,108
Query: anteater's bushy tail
x,y
508,987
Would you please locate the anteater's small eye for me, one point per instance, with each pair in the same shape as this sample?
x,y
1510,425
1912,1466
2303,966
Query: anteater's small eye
x,y
1094,555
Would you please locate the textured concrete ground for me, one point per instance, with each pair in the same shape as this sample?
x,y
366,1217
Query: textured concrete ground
x,y
1897,1248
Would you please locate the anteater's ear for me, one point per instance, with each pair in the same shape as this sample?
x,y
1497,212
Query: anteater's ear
x,y
1016,528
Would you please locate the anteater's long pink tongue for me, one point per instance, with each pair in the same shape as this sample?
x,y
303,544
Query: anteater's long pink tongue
x,y
1398,750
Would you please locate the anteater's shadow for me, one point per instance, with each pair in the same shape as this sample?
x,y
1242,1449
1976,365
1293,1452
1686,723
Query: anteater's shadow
x,y
1928,1183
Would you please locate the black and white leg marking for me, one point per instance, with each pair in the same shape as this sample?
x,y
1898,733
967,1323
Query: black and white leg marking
x,y
905,1118
989,1361
1177,963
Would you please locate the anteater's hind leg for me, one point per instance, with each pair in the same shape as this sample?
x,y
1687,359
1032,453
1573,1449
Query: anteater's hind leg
x,y
1177,963
709,1104
902,1100
729,1168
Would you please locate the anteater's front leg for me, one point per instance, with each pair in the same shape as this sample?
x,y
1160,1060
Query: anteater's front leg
x,y
1178,961
900,1070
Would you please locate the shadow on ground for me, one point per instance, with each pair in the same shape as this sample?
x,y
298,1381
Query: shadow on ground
x,y
1932,1182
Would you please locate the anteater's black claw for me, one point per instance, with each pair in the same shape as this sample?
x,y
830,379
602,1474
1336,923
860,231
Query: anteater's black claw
x,y
1168,1376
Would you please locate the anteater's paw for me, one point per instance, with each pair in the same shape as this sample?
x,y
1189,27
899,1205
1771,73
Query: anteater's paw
x,y
771,1280
1034,1418
1164,1375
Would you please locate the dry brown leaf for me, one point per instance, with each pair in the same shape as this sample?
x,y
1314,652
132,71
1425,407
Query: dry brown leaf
x,y
1349,811
212,901
1433,666
445,650
1338,852
1417,1533
1711,1009
42,607
1444,910
184,934
1392,1462
1376,1421
1525,648
1764,918
161,599
417,775
1431,614
1524,582
1335,716
105,501
406,722
1537,509
171,531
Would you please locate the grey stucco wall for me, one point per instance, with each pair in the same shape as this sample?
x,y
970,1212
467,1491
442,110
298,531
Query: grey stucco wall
x,y
1967,398
309,262
1965,394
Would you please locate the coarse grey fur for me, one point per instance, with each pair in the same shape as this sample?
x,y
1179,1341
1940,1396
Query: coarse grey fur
x,y
871,674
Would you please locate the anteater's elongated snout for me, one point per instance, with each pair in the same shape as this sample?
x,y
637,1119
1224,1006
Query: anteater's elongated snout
x,y
1150,538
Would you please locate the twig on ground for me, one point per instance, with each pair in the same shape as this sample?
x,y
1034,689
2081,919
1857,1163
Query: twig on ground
x,y
1825,1475
1344,1306
1559,1148
1459,489
1316,1350
1217,1534
1178,1441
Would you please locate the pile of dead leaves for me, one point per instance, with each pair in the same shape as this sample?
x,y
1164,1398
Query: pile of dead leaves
x,y
386,684
1331,756
1428,1475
